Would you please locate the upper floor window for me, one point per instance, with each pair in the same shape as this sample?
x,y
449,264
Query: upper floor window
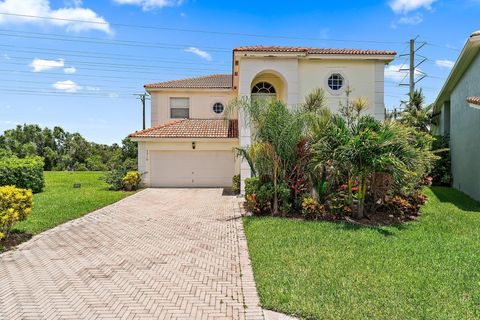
x,y
263,87
179,108
336,81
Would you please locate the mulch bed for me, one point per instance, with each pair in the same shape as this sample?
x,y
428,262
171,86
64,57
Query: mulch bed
x,y
379,219
14,239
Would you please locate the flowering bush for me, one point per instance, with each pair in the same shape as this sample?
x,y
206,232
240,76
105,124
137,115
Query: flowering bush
x,y
131,180
15,205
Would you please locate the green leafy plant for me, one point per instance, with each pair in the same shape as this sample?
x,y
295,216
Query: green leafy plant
x,y
24,173
311,208
115,178
15,205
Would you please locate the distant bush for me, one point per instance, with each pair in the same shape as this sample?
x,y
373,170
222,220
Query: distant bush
x,y
24,173
236,184
15,205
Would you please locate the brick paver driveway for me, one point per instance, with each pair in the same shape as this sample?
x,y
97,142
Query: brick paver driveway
x,y
159,254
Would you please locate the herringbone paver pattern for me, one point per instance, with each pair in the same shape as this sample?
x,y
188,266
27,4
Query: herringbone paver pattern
x,y
159,254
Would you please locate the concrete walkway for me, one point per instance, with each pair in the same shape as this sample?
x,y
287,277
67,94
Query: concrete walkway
x,y
159,254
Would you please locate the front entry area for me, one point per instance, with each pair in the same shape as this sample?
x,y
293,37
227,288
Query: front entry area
x,y
192,168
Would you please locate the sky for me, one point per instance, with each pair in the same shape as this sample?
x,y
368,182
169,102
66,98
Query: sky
x,y
60,70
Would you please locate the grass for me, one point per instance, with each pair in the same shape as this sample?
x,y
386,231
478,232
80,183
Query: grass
x,y
429,269
60,202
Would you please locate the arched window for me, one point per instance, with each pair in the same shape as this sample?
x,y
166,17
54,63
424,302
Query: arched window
x,y
263,88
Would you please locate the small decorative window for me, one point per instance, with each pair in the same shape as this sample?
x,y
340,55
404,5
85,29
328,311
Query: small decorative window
x,y
218,108
263,87
335,81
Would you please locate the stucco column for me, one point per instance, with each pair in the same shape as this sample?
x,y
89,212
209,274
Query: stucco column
x,y
245,141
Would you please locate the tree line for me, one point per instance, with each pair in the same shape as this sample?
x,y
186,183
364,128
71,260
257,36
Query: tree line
x,y
63,150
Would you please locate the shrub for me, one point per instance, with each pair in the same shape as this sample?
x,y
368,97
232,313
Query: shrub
x,y
15,205
259,196
441,172
236,184
131,180
251,185
115,178
311,208
24,173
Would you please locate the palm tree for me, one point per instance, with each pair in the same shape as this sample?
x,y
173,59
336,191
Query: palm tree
x,y
276,133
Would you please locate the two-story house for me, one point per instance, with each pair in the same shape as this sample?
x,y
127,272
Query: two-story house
x,y
190,144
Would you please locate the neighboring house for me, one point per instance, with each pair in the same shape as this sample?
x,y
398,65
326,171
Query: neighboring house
x,y
458,106
191,144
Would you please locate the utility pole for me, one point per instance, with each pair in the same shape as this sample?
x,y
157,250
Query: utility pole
x,y
413,67
143,97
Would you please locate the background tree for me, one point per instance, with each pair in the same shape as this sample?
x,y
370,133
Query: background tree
x,y
63,150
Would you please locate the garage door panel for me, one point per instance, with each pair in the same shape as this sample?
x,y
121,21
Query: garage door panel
x,y
191,168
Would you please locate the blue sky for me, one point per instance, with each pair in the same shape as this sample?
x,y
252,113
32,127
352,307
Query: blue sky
x,y
82,76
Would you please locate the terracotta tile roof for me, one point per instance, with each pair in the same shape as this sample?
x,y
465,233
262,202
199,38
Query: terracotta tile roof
x,y
214,81
474,100
192,128
314,50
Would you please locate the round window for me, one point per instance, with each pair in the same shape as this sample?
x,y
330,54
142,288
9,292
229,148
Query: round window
x,y
218,108
335,81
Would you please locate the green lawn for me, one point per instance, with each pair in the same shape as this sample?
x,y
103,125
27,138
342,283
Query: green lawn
x,y
429,269
60,202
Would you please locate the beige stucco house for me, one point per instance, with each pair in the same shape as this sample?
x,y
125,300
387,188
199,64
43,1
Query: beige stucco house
x,y
190,144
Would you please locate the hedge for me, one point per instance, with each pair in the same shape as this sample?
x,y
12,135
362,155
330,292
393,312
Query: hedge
x,y
24,173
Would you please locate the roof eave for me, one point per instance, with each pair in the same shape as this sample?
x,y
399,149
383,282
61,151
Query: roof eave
x,y
463,61
152,139
154,89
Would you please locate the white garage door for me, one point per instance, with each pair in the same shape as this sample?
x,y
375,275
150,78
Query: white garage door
x,y
191,168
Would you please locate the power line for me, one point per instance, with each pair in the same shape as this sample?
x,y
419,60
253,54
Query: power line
x,y
256,35
109,56
120,65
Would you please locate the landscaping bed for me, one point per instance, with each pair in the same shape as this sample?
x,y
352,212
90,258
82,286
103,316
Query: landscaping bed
x,y
321,270
61,202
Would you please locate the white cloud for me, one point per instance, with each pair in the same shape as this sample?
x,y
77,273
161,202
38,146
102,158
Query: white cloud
x,y
73,3
67,86
70,70
202,54
39,65
411,20
89,88
394,73
41,8
448,64
151,4
6,56
113,95
404,6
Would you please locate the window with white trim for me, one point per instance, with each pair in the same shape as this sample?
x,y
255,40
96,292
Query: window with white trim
x,y
336,81
218,108
179,108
